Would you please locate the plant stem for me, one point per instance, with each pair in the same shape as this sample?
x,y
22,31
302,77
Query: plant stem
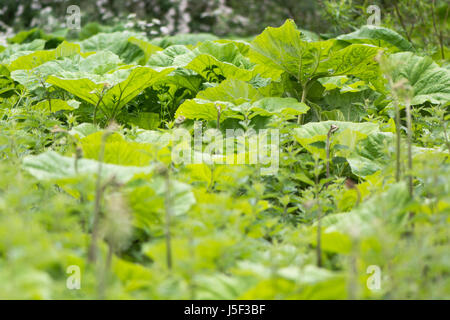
x,y
319,233
105,274
438,34
304,93
95,109
92,254
333,128
319,221
444,124
400,19
410,164
398,146
168,207
47,93
218,108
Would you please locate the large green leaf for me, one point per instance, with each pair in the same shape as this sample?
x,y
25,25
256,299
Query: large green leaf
x,y
53,166
118,150
429,81
283,49
229,94
275,105
39,57
124,85
116,42
379,36
280,48
146,47
348,135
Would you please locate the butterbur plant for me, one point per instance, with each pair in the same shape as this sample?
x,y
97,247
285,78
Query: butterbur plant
x,y
288,165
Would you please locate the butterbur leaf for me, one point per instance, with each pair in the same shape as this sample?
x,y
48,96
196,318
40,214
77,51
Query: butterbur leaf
x,y
118,150
53,166
166,57
356,60
116,42
146,47
348,134
205,110
56,105
280,48
125,84
429,81
274,105
379,36
234,91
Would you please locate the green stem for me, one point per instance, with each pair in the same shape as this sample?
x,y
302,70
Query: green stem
x,y
168,207
398,145
304,93
92,253
95,109
410,164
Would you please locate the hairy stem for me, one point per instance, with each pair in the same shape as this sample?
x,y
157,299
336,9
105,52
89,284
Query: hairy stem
x,y
398,142
409,125
92,254
168,207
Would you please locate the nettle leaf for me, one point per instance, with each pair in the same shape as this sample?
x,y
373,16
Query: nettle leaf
x,y
53,166
379,36
116,42
429,81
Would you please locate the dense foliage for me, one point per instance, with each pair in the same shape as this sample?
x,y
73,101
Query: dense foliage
x,y
88,177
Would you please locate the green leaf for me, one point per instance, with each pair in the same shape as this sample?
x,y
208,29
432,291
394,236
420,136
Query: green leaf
x,y
53,166
348,134
280,48
274,105
146,47
56,105
379,36
116,42
118,150
145,120
429,81
125,84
